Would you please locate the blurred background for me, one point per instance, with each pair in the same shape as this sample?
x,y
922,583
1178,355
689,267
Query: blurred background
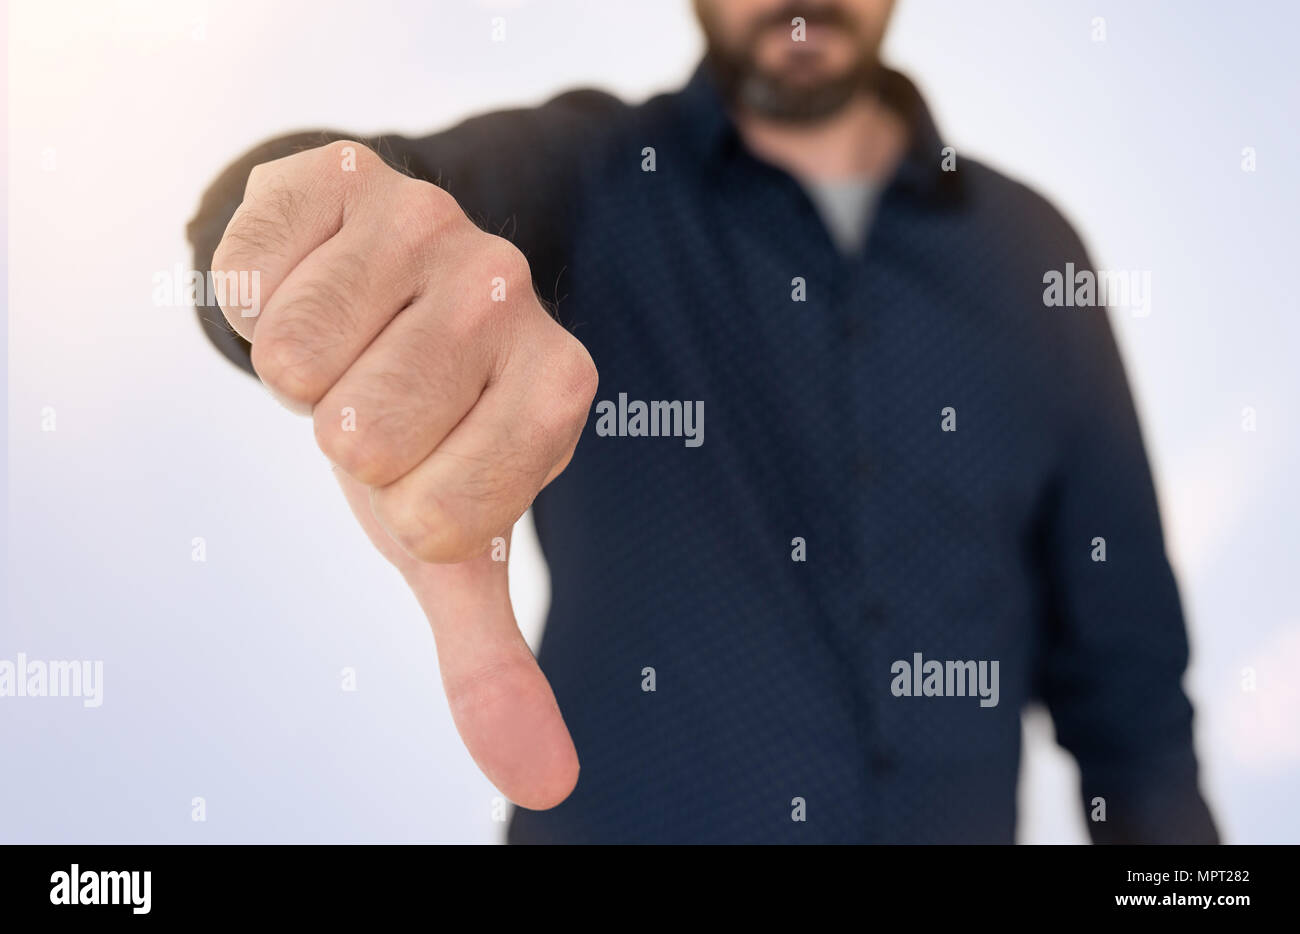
x,y
129,436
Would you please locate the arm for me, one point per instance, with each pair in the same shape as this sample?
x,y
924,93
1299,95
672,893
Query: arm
x,y
1117,650
441,388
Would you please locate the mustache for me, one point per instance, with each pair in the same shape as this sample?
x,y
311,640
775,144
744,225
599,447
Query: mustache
x,y
814,14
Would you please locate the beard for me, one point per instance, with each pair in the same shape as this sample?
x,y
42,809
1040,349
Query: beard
x,y
785,96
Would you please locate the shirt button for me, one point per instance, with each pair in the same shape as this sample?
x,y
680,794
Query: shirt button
x,y
882,763
864,467
874,615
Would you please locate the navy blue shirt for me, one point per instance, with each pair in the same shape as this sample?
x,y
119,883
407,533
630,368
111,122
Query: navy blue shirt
x,y
827,381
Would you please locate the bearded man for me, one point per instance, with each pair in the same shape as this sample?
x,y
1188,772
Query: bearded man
x,y
909,455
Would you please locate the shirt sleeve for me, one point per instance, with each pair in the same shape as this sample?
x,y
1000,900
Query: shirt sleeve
x,y
514,173
1117,645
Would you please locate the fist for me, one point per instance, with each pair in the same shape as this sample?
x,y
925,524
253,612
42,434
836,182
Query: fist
x,y
433,374
444,394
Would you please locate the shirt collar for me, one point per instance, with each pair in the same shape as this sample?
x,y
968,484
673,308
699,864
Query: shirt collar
x,y
919,171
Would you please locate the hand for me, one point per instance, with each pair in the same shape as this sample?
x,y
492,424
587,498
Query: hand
x,y
446,397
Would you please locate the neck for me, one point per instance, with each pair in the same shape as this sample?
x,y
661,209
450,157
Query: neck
x,y
862,140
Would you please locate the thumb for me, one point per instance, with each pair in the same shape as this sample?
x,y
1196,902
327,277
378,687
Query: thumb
x,y
501,702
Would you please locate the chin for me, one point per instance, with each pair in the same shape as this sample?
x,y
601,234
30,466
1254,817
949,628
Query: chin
x,y
803,77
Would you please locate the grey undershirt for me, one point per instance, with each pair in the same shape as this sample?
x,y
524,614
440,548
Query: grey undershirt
x,y
845,206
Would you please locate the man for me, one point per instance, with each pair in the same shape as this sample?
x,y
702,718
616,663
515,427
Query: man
x,y
922,499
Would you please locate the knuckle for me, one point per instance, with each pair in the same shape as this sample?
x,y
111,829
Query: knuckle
x,y
344,157
286,358
581,378
428,205
342,151
348,166
335,442
348,445
419,526
496,288
540,441
425,215
399,517
256,178
503,260
370,441
574,381
273,172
